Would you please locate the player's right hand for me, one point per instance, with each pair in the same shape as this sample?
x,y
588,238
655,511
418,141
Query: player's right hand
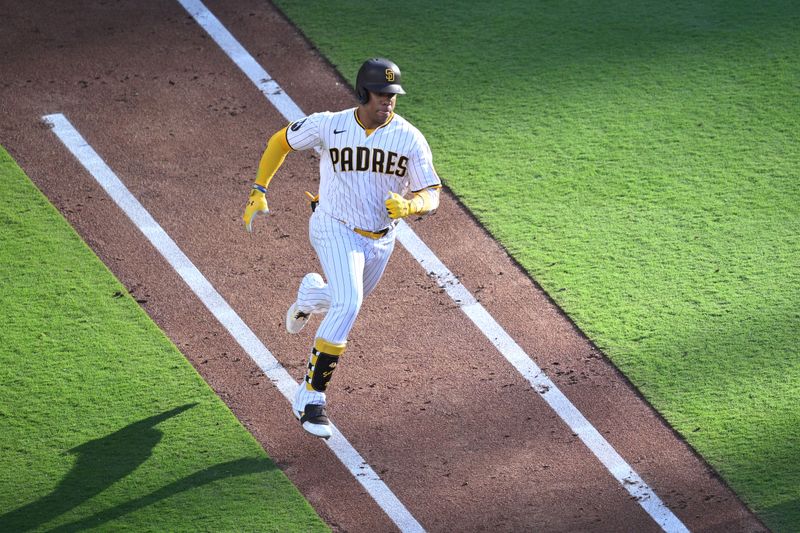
x,y
314,200
256,205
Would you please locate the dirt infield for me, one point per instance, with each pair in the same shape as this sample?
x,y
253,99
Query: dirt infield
x,y
451,427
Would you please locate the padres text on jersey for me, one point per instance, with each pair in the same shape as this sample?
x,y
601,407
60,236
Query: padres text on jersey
x,y
358,171
366,159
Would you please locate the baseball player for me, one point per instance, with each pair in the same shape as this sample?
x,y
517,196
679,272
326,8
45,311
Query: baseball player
x,y
371,160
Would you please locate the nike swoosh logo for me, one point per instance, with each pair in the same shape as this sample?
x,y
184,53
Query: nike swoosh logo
x,y
337,132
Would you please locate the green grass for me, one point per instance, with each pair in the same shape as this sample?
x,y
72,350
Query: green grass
x,y
640,160
103,423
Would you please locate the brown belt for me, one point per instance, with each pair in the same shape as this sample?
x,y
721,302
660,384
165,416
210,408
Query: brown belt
x,y
372,234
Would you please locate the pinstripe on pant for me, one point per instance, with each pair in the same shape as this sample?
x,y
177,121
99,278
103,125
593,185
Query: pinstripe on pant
x,y
353,265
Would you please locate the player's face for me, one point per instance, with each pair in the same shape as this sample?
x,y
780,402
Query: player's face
x,y
379,108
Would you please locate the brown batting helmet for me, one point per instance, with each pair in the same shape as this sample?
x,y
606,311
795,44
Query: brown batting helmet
x,y
378,75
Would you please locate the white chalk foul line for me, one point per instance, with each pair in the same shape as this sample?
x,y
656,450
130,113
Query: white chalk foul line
x,y
542,384
524,364
226,316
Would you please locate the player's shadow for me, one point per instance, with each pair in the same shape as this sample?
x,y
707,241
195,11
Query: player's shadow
x,y
99,464
239,467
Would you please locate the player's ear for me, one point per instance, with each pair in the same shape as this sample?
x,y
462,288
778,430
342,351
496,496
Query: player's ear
x,y
362,94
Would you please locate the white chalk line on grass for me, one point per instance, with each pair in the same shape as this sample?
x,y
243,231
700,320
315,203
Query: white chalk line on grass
x,y
524,364
226,316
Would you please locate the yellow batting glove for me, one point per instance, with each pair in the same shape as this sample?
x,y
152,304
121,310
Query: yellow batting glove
x,y
397,206
256,205
313,199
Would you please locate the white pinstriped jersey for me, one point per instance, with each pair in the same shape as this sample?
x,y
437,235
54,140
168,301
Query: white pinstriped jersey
x,y
358,172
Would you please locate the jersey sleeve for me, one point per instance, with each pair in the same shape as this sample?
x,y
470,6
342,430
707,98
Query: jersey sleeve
x,y
420,168
304,133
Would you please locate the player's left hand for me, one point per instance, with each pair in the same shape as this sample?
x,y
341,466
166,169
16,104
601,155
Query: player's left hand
x,y
256,205
397,206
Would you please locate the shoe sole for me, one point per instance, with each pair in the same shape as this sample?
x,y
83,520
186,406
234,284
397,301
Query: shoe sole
x,y
323,432
294,325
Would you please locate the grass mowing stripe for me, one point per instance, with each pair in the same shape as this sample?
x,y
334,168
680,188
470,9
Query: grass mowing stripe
x,y
640,160
103,423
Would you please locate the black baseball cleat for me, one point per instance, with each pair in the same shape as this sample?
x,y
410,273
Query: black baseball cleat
x,y
314,420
